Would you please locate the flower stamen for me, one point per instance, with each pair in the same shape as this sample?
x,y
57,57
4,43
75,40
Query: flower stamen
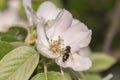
x,y
56,46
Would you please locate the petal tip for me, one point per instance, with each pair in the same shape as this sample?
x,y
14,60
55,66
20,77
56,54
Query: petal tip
x,y
47,4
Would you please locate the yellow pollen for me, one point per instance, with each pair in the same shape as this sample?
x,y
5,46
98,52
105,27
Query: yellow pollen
x,y
55,46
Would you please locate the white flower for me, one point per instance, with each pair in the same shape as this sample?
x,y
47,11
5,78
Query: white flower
x,y
61,37
28,8
10,16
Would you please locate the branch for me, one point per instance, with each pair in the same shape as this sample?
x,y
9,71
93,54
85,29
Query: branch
x,y
113,27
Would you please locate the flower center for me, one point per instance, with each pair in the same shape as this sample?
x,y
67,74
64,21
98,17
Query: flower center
x,y
57,46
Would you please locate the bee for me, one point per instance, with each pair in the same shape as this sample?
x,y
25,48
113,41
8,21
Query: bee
x,y
66,54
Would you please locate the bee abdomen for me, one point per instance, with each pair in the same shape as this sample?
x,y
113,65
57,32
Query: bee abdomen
x,y
65,57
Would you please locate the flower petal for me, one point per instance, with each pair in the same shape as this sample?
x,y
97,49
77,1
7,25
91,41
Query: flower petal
x,y
85,51
77,62
77,35
74,30
81,25
29,11
48,10
44,50
41,35
75,21
80,43
63,22
42,42
49,29
80,63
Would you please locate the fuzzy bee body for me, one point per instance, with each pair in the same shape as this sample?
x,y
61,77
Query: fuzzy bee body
x,y
66,54
65,57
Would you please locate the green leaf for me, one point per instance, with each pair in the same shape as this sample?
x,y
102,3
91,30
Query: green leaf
x,y
19,64
18,44
51,76
101,61
8,38
92,76
5,48
14,34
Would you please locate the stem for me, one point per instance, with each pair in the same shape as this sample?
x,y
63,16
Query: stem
x,y
45,71
114,27
61,70
78,77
